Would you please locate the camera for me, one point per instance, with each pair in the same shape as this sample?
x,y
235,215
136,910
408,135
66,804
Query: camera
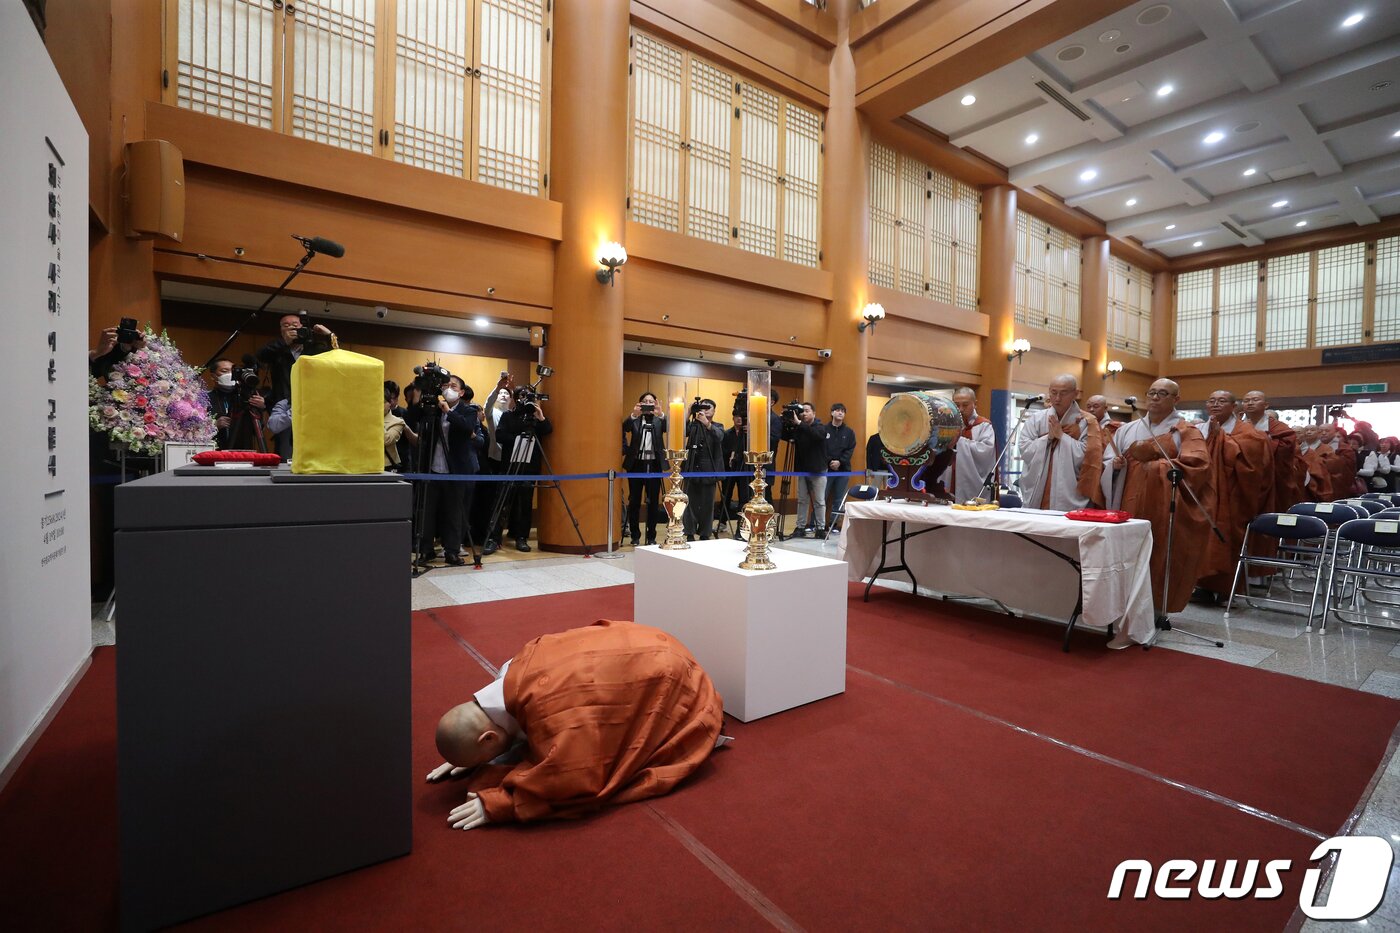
x,y
127,332
792,411
312,341
824,353
381,312
246,379
648,410
525,395
429,380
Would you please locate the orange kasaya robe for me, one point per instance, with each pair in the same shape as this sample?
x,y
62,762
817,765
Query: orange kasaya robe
x,y
1319,465
1241,464
612,712
1342,468
1147,494
1285,488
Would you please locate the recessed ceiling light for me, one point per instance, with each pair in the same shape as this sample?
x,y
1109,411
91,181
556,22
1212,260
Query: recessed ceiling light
x,y
1071,53
1301,223
739,356
1125,100
1395,135
1278,204
1154,14
1352,20
1381,85
1248,127
1112,35
1132,202
1033,138
1198,244
482,322
1088,174
1164,90
1171,226
898,378
968,100
1213,138
1249,171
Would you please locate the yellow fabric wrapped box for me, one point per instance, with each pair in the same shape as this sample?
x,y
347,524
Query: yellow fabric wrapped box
x,y
338,413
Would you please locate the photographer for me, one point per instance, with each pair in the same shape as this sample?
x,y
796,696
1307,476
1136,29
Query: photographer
x,y
278,355
809,437
840,447
520,428
237,417
114,345
643,437
704,443
458,442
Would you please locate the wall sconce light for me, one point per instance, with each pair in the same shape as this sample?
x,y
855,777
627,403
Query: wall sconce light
x,y
1019,348
873,314
611,256
1112,370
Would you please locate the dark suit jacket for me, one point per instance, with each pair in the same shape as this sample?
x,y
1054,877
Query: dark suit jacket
x,y
511,426
465,439
632,444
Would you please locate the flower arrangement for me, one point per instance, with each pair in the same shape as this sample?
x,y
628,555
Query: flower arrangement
x,y
151,397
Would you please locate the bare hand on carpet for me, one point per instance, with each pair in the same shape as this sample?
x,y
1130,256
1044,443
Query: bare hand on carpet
x,y
469,815
446,772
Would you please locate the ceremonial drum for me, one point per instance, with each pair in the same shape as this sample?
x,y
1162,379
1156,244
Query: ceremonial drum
x,y
917,425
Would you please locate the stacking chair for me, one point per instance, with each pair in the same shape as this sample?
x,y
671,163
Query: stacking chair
x,y
1372,560
859,493
1291,531
1333,514
1372,506
1391,512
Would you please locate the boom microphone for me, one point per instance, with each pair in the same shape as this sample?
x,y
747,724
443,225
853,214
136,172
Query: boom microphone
x,y
1035,398
319,244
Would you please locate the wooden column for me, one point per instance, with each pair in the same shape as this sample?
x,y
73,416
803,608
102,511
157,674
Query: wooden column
x,y
588,175
1162,312
846,242
996,288
1093,314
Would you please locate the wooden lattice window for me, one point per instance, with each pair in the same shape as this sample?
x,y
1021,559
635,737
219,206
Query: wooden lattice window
x,y
455,86
1238,309
1387,313
1129,307
1047,276
884,212
1287,282
1195,313
913,226
1339,295
721,159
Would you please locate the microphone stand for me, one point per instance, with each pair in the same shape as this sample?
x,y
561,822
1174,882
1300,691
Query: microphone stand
x,y
989,484
1177,477
263,307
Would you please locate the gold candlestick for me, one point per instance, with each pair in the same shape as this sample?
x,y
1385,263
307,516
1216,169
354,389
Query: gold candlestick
x,y
759,513
676,502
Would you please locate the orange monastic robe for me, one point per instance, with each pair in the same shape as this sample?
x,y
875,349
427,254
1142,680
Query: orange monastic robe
x,y
1285,488
1342,467
1147,494
1318,463
1241,461
612,712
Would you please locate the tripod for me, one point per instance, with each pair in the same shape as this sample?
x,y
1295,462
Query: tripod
x,y
429,433
522,457
1163,621
784,489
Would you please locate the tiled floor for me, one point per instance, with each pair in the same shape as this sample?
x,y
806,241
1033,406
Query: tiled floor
x,y
1348,656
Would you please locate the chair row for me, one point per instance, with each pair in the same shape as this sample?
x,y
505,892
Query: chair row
x,y
1354,544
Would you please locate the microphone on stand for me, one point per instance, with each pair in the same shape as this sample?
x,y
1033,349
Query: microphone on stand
x,y
1132,403
1035,398
319,244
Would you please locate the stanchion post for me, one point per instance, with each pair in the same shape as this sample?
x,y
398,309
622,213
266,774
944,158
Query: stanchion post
x,y
610,554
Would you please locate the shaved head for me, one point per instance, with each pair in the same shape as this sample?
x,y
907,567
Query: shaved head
x,y
1162,397
1065,380
964,392
1097,406
467,737
1063,391
966,400
1256,404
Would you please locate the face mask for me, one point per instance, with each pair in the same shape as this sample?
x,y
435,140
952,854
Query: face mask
x,y
226,380
451,395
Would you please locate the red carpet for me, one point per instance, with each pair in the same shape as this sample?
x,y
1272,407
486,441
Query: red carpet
x,y
881,808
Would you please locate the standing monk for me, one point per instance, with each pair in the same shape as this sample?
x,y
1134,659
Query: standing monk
x,y
1283,442
1317,479
1341,469
1097,406
1242,463
975,450
1061,452
1141,486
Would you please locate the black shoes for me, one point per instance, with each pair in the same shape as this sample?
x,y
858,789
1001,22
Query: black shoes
x,y
491,548
522,545
454,560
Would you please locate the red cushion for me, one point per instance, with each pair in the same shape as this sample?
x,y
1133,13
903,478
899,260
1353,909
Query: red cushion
x,y
1111,516
210,457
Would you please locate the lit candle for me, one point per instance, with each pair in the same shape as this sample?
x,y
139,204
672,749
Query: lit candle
x,y
758,422
675,425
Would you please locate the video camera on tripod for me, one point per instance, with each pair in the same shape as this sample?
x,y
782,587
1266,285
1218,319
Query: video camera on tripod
x,y
429,380
246,377
528,395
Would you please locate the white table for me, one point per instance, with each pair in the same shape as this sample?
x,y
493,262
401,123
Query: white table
x,y
1034,561
769,639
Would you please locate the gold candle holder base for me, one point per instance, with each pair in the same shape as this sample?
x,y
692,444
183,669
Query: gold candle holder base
x,y
759,513
675,502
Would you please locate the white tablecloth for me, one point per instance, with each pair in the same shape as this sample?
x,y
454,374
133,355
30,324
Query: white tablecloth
x,y
978,554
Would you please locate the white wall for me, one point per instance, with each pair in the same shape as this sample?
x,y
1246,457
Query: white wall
x,y
45,611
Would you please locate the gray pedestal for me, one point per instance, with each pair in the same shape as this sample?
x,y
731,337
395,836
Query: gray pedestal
x,y
263,705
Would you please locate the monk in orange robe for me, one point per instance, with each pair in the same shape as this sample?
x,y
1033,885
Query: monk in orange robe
x,y
1318,460
1242,463
609,713
1285,486
1141,487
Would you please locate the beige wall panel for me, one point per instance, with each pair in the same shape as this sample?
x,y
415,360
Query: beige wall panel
x,y
925,345
1037,368
383,244
729,310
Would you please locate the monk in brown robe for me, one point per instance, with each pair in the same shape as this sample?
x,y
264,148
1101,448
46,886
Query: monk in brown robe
x,y
1285,485
1317,485
1242,463
1141,487
609,713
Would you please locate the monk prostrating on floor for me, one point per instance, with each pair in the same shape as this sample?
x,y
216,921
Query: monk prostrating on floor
x,y
609,713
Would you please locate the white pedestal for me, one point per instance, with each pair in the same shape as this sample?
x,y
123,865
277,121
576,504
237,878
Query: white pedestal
x,y
769,639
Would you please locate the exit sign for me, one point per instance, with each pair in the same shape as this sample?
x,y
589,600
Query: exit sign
x,y
1365,388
